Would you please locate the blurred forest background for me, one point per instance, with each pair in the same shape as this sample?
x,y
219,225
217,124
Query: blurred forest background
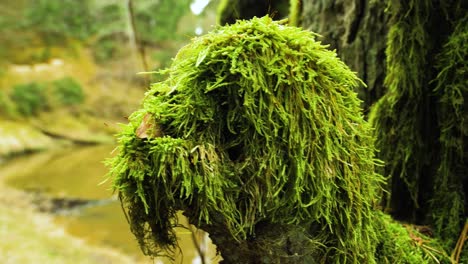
x,y
80,59
68,76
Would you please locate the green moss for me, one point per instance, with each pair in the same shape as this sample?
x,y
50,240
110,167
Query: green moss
x,y
404,244
421,124
261,124
153,23
399,111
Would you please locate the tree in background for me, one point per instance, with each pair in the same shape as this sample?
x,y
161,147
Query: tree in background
x,y
412,55
357,30
156,21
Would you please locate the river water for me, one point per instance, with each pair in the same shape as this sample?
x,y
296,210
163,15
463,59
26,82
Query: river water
x,y
78,174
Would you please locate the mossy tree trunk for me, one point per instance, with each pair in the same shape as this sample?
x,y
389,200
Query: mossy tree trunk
x,y
412,55
273,243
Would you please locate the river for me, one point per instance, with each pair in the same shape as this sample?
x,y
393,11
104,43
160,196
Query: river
x,y
83,202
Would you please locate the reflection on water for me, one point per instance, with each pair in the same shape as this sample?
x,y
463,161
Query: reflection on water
x,y
67,173
76,174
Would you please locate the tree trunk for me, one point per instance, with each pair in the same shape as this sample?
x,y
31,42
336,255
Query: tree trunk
x,y
405,52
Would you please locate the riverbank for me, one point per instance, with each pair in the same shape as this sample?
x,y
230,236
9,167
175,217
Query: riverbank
x,y
32,237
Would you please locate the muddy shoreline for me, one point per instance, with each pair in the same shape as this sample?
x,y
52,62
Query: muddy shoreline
x,y
16,204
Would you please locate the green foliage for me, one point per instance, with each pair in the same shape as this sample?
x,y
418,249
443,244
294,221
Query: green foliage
x,y
110,17
260,123
68,91
156,22
29,98
31,29
105,49
111,40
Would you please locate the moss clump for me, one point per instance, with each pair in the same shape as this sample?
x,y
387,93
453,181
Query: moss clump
x,y
256,129
260,123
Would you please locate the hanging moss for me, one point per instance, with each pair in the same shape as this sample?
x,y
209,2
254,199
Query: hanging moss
x,y
420,122
448,206
399,116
